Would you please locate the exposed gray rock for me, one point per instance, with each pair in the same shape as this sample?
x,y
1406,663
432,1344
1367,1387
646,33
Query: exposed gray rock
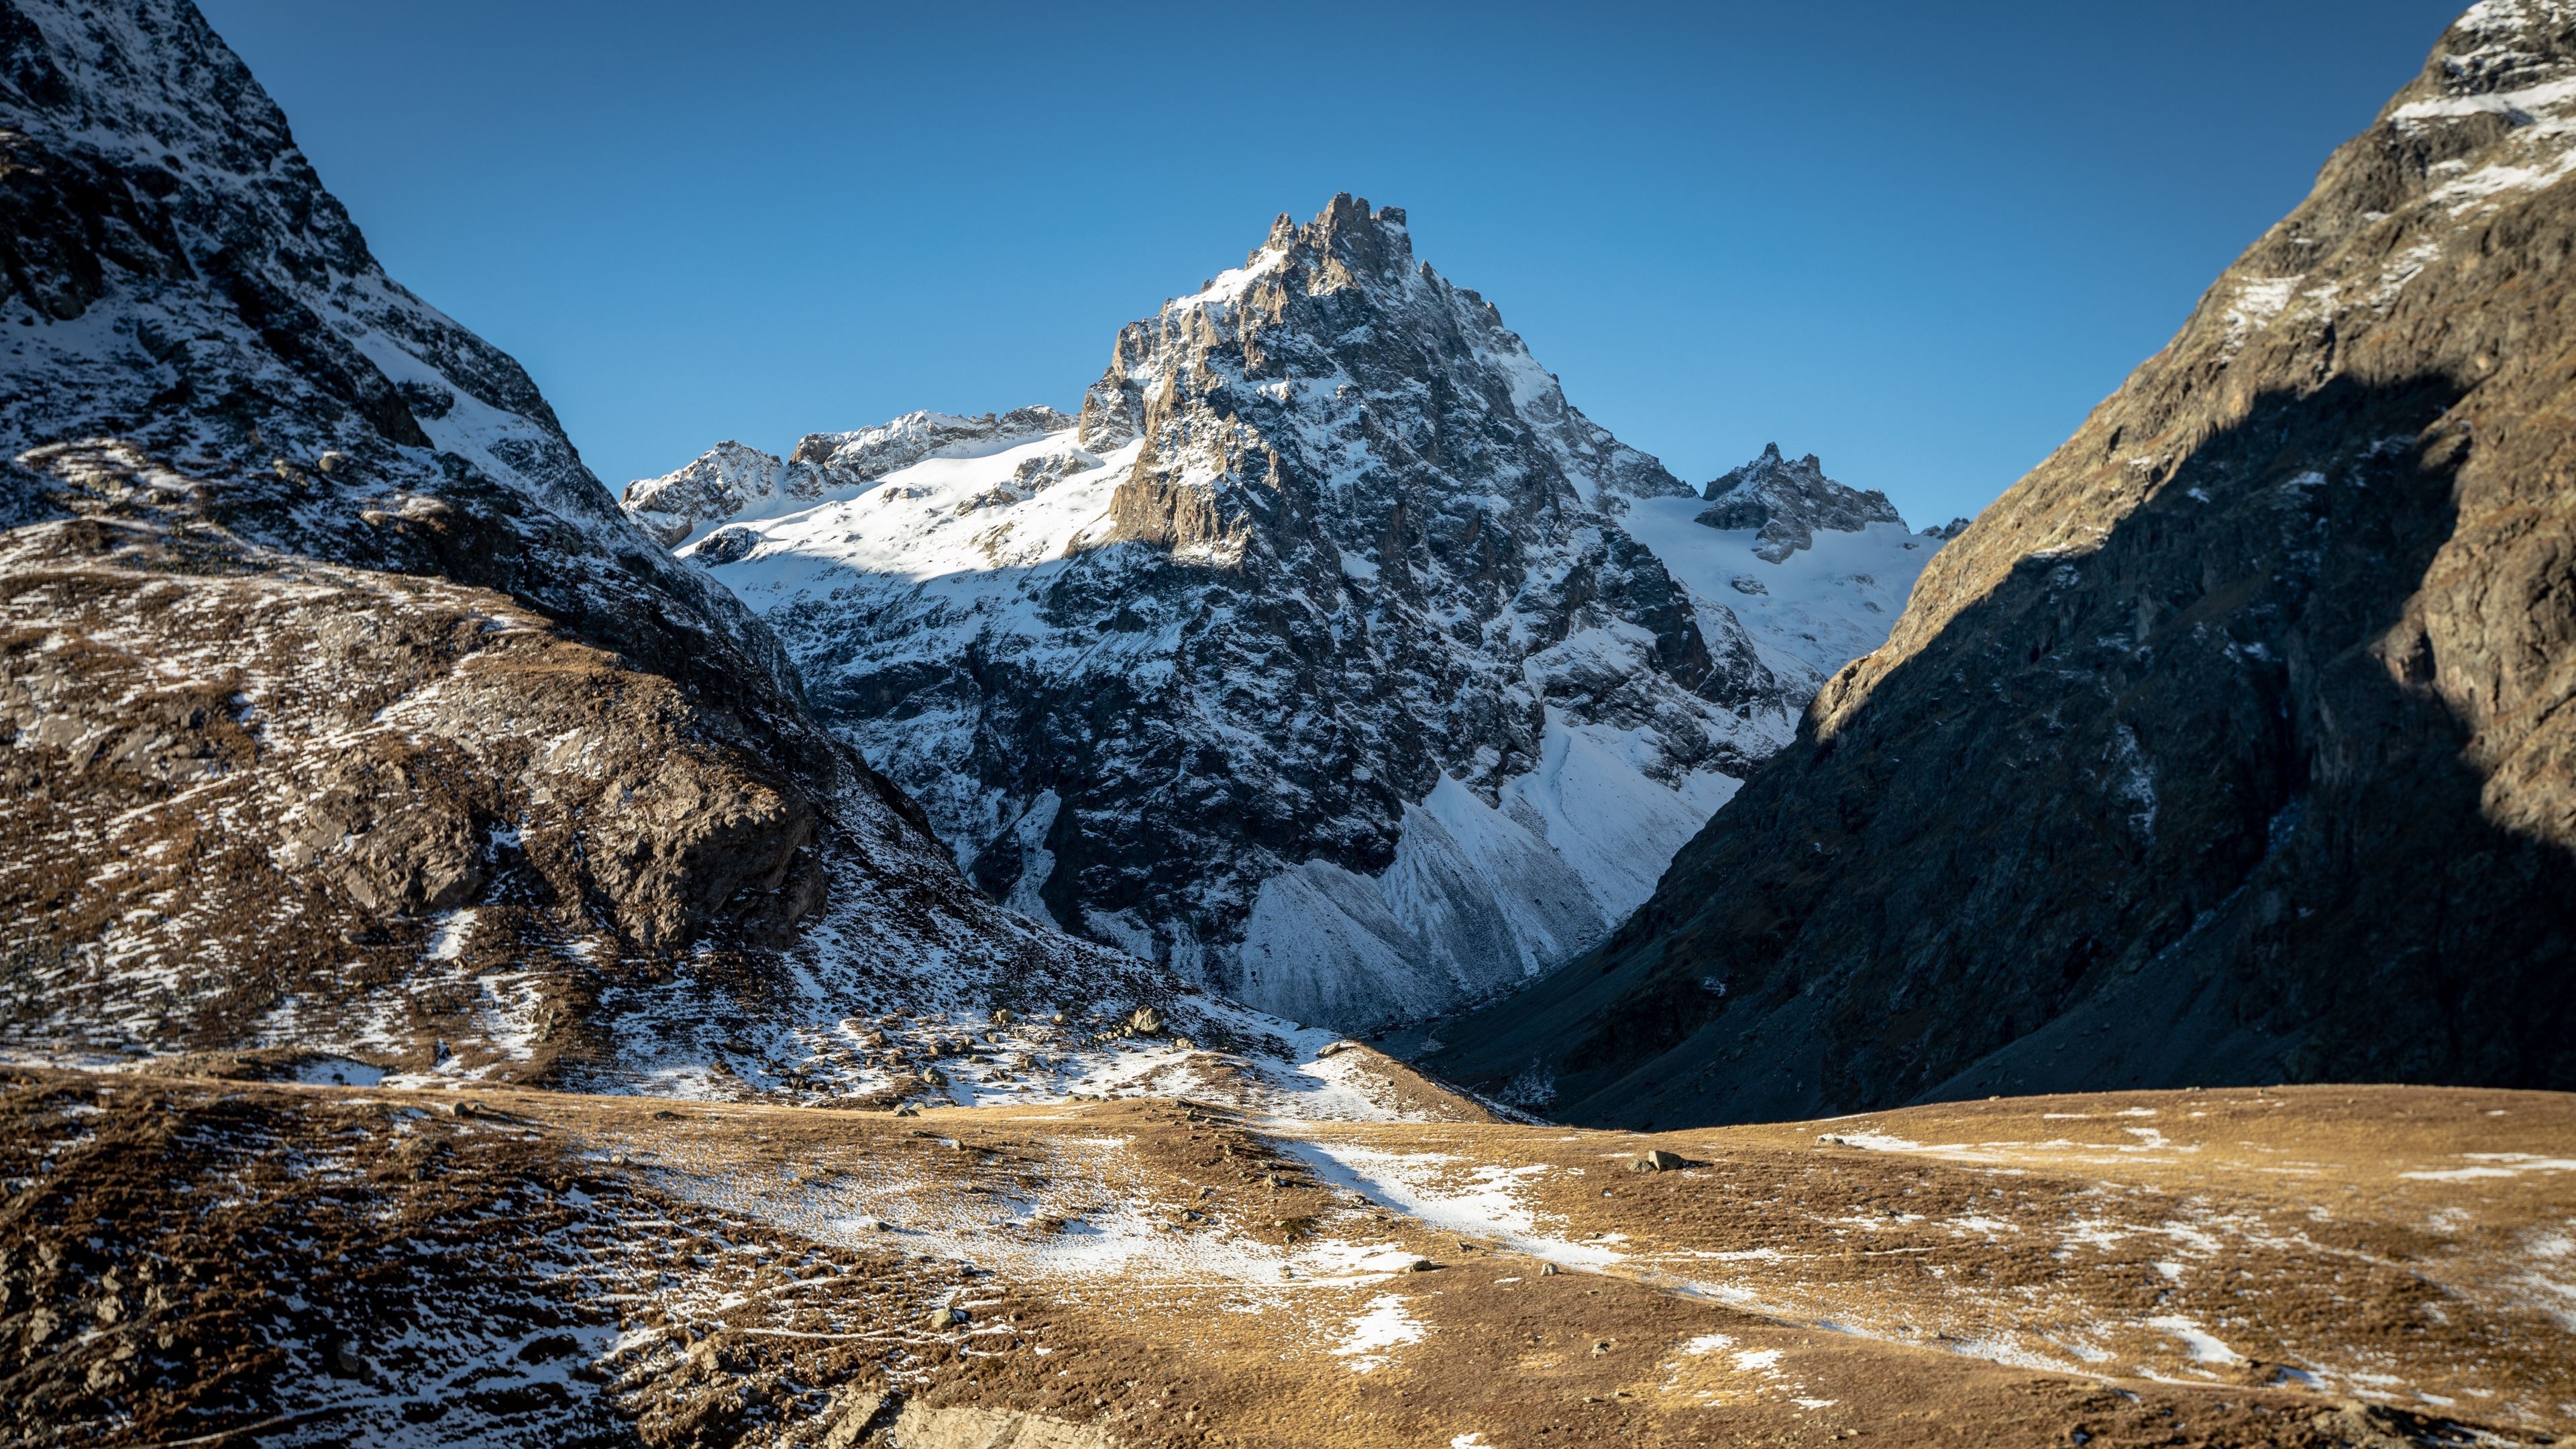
x,y
852,1413
962,1427
1787,502
715,486
724,546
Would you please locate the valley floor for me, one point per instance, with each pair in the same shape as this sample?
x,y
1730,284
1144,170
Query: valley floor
x,y
195,1260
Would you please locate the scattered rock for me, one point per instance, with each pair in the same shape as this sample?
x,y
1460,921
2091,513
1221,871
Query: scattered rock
x,y
851,1412
971,1428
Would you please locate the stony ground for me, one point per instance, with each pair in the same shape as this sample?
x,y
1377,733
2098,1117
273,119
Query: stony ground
x,y
194,1260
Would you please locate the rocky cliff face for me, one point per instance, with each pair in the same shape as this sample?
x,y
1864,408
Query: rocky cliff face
x,y
344,708
1330,657
2232,743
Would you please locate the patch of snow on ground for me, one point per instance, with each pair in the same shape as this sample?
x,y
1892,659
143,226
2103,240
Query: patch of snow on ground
x,y
1435,1188
447,939
2205,1347
1383,1326
1883,1142
337,1072
2009,1350
508,1011
2494,1164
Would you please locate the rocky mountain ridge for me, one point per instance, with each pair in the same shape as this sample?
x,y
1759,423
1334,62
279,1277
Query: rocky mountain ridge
x,y
1332,658
731,480
1786,502
2262,680
346,710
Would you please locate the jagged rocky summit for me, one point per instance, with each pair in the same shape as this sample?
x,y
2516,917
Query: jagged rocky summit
x,y
1329,657
1785,503
346,711
2233,744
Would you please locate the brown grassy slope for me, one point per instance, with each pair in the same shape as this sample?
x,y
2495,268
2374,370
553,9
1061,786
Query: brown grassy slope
x,y
186,1257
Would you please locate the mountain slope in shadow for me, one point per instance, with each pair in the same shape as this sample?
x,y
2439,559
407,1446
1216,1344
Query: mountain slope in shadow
x,y
2232,743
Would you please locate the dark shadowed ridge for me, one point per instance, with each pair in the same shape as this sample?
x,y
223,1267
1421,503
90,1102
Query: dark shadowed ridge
x,y
2231,744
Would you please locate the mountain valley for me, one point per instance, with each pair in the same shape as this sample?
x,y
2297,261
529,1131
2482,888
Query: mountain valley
x,y
888,945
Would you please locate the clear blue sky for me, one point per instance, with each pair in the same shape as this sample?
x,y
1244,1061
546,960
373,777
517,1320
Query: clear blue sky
x,y
1920,240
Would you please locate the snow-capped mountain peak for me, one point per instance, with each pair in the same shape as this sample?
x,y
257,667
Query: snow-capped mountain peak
x,y
1786,502
1352,260
1325,660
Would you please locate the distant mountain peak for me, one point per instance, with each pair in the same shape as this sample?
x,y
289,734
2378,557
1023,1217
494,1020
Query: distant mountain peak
x,y
1787,502
1367,241
1332,661
732,480
1341,302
